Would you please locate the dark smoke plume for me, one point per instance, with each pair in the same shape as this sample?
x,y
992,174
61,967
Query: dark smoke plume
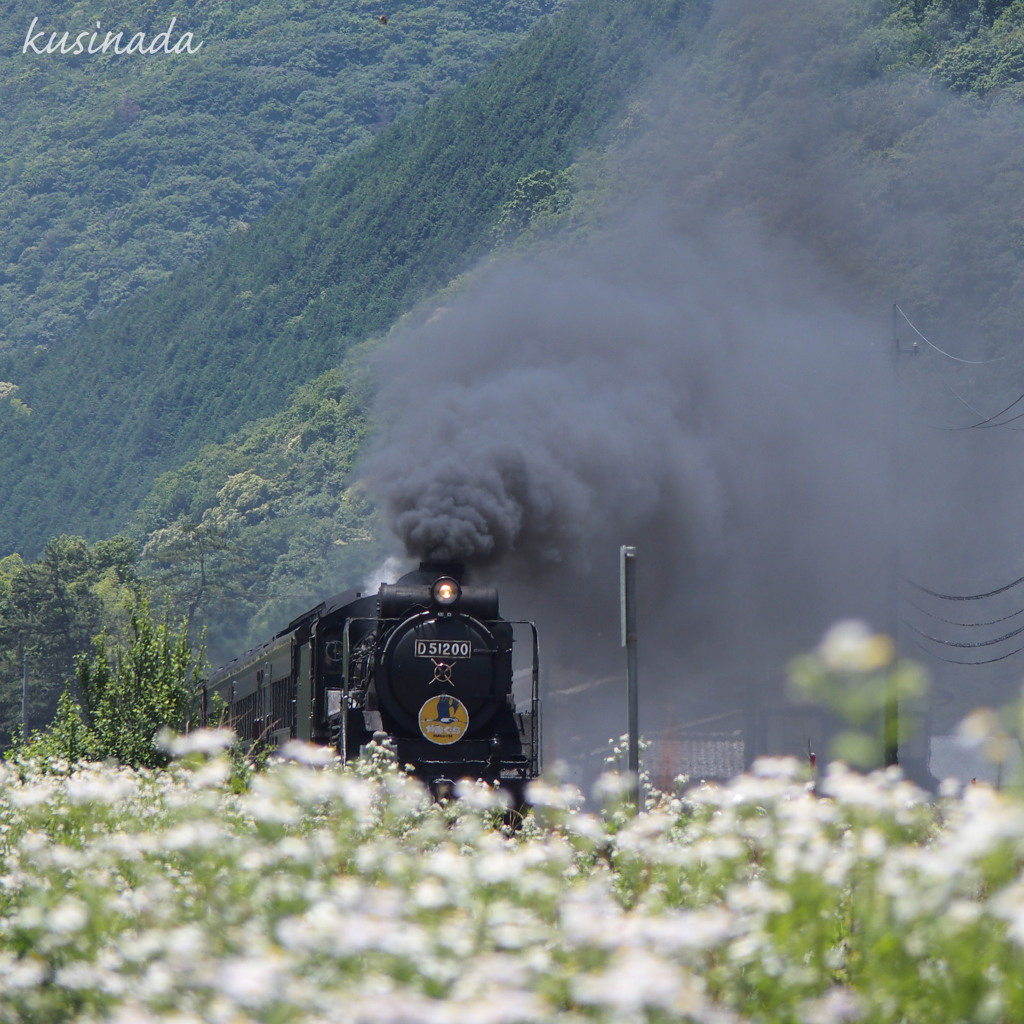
x,y
703,398
554,407
712,380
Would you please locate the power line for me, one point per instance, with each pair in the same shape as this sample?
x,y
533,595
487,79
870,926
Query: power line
x,y
966,625
943,352
983,422
984,661
966,597
986,421
965,643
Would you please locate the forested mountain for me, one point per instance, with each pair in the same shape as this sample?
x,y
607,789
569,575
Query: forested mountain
x,y
884,137
117,167
228,337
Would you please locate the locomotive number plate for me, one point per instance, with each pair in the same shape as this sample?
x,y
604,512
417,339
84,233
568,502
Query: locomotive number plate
x,y
444,649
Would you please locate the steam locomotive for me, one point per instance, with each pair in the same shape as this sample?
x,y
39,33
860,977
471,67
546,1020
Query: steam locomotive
x,y
425,663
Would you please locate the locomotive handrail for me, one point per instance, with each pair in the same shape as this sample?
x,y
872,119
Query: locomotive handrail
x,y
345,641
535,725
345,650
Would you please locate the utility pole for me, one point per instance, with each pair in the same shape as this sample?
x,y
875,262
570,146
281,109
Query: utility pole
x,y
891,711
24,694
627,590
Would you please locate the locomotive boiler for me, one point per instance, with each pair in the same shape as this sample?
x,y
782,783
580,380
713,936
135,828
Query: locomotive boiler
x,y
426,663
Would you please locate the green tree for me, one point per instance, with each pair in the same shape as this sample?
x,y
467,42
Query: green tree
x,y
129,692
50,610
538,197
12,655
193,563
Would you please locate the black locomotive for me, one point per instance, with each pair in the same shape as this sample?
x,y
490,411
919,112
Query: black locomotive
x,y
425,663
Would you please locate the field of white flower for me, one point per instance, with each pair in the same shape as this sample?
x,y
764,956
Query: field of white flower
x,y
323,894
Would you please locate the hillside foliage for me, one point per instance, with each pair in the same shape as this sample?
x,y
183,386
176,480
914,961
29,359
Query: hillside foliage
x,y
117,168
228,338
247,534
215,418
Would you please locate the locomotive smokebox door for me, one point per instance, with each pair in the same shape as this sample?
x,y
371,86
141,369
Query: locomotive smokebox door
x,y
444,678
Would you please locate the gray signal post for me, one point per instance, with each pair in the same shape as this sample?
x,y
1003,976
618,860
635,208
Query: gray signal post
x,y
627,590
891,710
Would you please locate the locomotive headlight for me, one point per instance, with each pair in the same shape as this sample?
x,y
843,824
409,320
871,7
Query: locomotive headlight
x,y
446,591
